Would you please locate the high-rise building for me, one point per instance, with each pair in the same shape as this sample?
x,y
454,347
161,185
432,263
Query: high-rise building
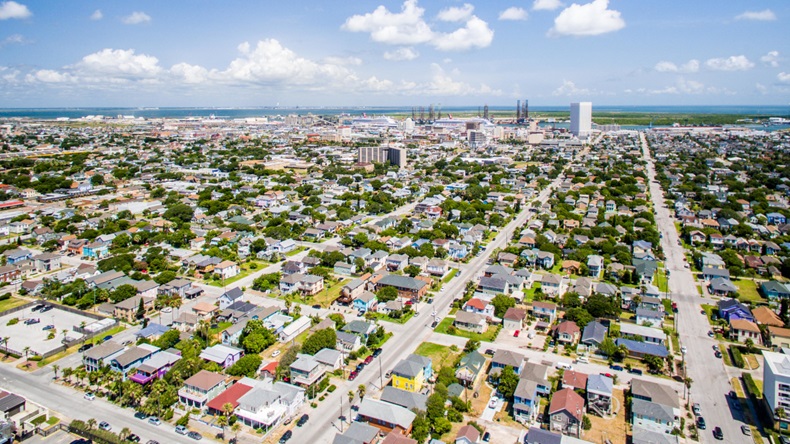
x,y
372,154
581,119
776,381
398,157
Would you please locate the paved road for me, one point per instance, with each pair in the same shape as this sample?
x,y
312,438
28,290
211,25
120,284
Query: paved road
x,y
323,420
710,381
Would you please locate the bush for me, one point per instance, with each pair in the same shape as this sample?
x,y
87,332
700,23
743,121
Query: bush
x,y
751,386
183,421
8,295
331,388
454,415
586,423
13,321
737,357
35,358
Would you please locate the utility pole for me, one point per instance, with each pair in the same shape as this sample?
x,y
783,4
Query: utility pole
x,y
340,419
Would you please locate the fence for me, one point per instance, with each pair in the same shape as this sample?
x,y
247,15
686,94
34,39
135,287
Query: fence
x,y
16,309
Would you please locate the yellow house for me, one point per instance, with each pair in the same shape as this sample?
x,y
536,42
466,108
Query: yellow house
x,y
408,375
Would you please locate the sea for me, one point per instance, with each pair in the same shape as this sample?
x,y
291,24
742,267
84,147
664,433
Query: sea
x,y
246,112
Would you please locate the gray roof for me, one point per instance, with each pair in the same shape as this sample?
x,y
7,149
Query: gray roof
x,y
10,402
534,372
507,357
233,294
468,317
373,408
645,436
357,433
600,384
537,435
346,337
407,369
648,313
660,393
104,350
404,398
526,389
652,410
594,331
402,282
131,355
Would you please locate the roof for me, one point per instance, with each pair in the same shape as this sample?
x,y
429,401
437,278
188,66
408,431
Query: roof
x,y
219,353
391,413
594,331
652,410
567,400
10,402
404,398
507,357
205,380
641,330
517,314
357,433
660,393
645,436
153,329
397,438
233,294
645,348
571,378
745,325
402,282
407,369
133,354
231,395
779,331
468,432
537,435
600,384
468,317
764,315
103,350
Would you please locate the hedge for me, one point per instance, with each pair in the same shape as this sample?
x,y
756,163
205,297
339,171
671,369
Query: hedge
x,y
96,435
737,357
751,386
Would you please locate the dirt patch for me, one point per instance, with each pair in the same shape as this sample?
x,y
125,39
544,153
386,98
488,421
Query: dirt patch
x,y
479,403
614,429
28,366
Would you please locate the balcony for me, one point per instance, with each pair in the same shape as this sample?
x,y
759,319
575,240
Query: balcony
x,y
141,378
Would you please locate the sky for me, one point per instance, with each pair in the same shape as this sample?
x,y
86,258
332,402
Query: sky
x,y
237,53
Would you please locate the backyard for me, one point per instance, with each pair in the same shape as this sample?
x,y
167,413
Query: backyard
x,y
747,291
446,327
247,269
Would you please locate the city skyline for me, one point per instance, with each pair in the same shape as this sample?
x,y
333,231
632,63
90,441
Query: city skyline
x,y
392,53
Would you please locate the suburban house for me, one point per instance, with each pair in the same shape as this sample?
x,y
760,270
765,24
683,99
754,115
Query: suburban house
x,y
506,358
101,355
647,334
653,416
514,318
545,311
408,287
227,269
638,349
742,329
201,388
127,309
385,416
566,410
409,374
365,302
467,435
599,394
774,290
404,398
594,334
648,317
223,355
470,367
132,358
268,403
155,368
229,297
469,321
730,309
566,332
526,401
778,337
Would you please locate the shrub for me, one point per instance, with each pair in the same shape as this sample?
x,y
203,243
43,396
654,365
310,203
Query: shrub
x,y
751,386
331,388
586,423
13,321
35,358
183,421
737,357
8,295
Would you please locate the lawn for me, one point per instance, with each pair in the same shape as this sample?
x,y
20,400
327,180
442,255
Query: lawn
x,y
488,336
220,326
661,281
440,355
529,295
11,303
326,297
245,271
747,291
450,275
402,320
709,310
295,251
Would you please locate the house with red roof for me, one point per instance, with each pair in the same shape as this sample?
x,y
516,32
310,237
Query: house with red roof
x,y
230,396
479,306
566,411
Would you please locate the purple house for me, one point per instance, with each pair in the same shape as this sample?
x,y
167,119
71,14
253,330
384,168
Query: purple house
x,y
155,368
223,355
731,309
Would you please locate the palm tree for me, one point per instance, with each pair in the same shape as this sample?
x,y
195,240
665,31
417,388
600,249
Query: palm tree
x,y
351,396
55,368
222,421
5,343
26,350
67,372
361,391
236,428
228,409
91,423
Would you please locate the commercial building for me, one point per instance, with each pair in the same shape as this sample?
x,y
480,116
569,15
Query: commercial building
x,y
581,119
776,385
382,154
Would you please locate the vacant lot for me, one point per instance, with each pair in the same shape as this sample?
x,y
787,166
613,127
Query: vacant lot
x,y
614,429
440,355
747,291
446,327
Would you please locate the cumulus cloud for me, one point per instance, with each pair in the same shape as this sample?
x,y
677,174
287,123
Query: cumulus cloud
x,y
546,5
765,15
348,61
783,77
456,13
137,18
13,10
189,74
569,88
408,27
14,39
513,13
443,84
590,19
732,63
401,54
771,59
49,76
97,15
117,64
665,66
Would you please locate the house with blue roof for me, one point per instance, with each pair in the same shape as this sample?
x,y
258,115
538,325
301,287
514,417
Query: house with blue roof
x,y
776,218
774,290
637,349
731,309
152,332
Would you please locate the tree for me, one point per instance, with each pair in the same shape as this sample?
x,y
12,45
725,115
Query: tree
x,y
165,277
168,339
326,338
599,305
248,366
434,407
351,396
387,294
578,315
471,345
508,381
608,347
91,423
361,391
750,348
288,358
179,213
123,293
124,433
421,428
412,270
340,321
654,363
55,368
501,303
571,300
140,309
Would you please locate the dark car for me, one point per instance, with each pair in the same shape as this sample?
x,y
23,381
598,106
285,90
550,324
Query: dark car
x,y
37,307
133,438
376,353
360,366
354,407
635,371
353,376
140,415
486,437
46,308
718,434
85,347
48,327
317,306
107,338
286,436
616,367
434,324
195,435
732,394
701,423
302,420
369,359
32,321
151,441
717,354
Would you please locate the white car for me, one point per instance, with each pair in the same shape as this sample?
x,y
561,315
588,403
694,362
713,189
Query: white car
x,y
276,353
493,403
167,309
89,396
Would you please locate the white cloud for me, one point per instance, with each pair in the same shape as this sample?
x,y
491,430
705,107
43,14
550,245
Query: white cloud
x,y
137,18
732,63
401,54
771,59
49,76
475,33
690,86
783,77
189,74
409,28
546,5
13,10
404,28
764,16
442,84
569,88
97,15
14,39
665,66
586,20
116,65
513,13
349,61
456,14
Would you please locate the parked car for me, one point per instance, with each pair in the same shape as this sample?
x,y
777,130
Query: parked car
x,y
434,324
37,307
493,403
46,308
195,435
359,367
151,441
89,396
683,349
718,434
746,430
701,423
32,321
717,354
369,359
286,436
636,371
486,437
48,327
154,420
104,425
182,430
695,408
141,415
353,375
302,420
784,439
376,352
276,353
710,333
107,338
516,333
133,438
85,347
618,368
167,309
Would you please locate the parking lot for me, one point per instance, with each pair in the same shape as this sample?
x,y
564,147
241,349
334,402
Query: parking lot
x,y
523,340
21,335
60,437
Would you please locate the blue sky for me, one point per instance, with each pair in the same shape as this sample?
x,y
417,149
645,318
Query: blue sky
x,y
398,53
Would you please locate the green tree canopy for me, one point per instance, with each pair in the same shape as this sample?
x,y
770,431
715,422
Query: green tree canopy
x,y
326,338
248,366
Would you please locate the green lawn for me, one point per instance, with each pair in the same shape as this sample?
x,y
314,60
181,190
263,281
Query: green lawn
x,y
488,336
245,271
450,275
661,281
709,310
401,320
440,355
329,294
529,295
747,291
295,251
221,326
11,303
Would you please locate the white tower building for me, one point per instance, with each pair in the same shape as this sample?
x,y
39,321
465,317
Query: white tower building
x,y
581,119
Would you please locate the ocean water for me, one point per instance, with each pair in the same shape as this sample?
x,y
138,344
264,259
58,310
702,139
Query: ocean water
x,y
237,113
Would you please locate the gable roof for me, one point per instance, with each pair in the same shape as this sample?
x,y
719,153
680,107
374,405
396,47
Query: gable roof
x,y
391,413
569,401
